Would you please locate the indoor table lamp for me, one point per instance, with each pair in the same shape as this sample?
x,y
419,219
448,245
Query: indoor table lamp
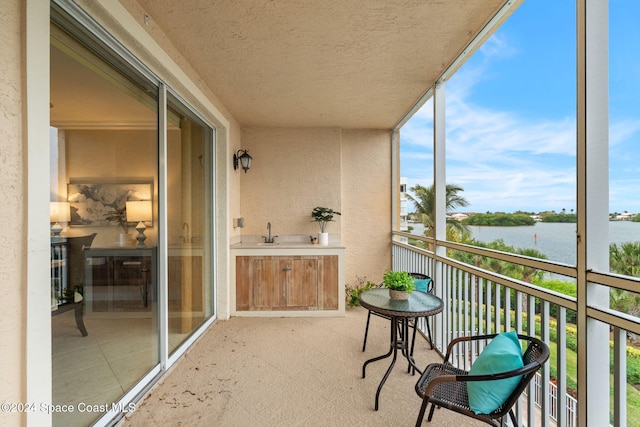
x,y
139,211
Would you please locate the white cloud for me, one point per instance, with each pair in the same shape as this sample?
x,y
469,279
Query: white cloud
x,y
497,46
622,130
503,159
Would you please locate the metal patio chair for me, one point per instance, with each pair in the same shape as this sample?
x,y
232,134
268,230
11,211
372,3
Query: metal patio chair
x,y
445,386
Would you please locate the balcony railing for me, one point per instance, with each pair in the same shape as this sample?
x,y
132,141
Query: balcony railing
x,y
478,301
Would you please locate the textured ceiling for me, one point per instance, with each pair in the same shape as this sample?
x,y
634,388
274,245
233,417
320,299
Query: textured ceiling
x,y
348,63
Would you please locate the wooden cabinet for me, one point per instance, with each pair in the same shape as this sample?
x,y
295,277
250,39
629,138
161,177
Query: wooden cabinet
x,y
286,283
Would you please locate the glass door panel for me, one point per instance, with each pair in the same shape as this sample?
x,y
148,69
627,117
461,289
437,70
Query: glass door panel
x,y
189,221
104,148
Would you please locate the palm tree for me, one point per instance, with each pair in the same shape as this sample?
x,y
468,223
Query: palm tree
x,y
625,259
529,274
424,201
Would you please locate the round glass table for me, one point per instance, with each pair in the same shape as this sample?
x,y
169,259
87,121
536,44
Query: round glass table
x,y
419,304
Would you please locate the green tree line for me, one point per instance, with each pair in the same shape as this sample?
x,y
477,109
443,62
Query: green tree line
x,y
499,219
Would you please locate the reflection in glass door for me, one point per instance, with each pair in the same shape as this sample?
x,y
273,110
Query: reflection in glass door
x,y
104,148
189,221
110,290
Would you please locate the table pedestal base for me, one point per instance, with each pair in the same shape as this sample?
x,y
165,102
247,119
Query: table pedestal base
x,y
395,344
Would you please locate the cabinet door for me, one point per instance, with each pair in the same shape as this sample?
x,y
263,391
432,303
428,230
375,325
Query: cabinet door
x,y
299,279
328,282
243,264
264,290
257,283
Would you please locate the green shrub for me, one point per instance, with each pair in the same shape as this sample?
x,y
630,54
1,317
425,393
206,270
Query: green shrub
x,y
353,292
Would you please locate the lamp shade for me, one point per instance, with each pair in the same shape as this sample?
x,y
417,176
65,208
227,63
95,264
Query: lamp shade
x,y
139,211
59,211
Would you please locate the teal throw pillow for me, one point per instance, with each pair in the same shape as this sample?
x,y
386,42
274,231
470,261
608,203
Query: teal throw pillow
x,y
502,354
422,285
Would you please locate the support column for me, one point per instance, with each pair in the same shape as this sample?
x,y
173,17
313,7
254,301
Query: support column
x,y
439,162
593,208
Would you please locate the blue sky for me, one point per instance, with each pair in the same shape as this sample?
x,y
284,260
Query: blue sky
x,y
511,119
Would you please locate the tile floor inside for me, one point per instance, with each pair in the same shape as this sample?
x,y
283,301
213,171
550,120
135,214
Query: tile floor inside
x,y
99,368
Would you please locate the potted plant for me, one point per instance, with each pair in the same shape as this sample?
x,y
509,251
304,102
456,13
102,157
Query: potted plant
x,y
120,216
399,283
323,216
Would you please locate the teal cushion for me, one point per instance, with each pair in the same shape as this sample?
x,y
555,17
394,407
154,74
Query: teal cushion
x,y
503,353
422,285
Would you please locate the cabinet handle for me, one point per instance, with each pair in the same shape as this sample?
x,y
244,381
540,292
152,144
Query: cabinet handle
x,y
286,269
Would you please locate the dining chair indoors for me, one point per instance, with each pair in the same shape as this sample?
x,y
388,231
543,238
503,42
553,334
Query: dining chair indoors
x,y
78,259
76,263
484,396
423,284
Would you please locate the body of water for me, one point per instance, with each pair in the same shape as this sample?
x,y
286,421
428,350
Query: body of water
x,y
556,240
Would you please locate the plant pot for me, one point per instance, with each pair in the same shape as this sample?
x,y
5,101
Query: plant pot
x,y
323,238
398,295
123,239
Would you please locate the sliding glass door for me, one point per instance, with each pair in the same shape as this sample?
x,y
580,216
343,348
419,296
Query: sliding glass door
x,y
131,224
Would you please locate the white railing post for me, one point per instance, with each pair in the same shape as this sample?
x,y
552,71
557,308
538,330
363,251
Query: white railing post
x,y
562,410
620,377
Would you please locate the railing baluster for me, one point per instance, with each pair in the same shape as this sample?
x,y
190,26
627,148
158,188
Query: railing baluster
x,y
518,328
620,377
544,383
467,323
531,331
459,304
481,325
474,305
498,308
561,367
507,309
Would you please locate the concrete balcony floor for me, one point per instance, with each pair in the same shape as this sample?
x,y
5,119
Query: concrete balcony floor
x,y
289,372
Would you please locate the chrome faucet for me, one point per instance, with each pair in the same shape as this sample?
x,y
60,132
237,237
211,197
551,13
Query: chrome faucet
x,y
186,238
269,239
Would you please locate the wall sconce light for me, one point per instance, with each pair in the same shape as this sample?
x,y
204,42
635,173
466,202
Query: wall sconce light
x,y
244,158
58,213
140,211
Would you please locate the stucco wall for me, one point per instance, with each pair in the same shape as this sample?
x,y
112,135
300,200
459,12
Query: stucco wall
x,y
293,170
296,169
12,210
366,189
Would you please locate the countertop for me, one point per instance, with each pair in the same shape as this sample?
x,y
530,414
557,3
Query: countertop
x,y
283,245
285,242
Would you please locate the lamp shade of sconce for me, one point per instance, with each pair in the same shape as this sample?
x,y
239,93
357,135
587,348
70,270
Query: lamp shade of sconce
x,y
244,159
58,212
139,211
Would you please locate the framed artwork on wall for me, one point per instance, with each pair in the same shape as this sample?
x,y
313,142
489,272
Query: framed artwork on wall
x,y
97,203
